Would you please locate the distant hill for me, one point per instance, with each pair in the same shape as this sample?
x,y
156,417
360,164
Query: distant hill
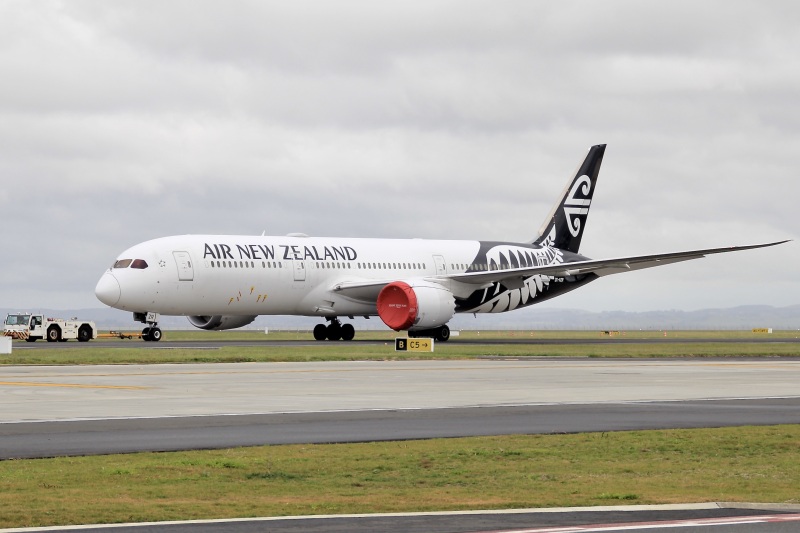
x,y
534,318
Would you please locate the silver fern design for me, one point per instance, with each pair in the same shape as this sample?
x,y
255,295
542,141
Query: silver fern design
x,y
499,297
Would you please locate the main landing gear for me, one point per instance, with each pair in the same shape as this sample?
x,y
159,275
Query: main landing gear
x,y
440,334
334,331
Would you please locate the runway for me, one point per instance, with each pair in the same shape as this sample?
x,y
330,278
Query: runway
x,y
693,518
48,411
97,437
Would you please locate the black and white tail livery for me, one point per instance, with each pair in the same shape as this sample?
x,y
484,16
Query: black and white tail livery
x,y
412,285
563,228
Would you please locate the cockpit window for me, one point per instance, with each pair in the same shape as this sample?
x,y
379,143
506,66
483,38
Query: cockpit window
x,y
133,263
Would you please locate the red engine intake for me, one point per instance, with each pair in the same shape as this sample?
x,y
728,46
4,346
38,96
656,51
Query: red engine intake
x,y
424,305
398,306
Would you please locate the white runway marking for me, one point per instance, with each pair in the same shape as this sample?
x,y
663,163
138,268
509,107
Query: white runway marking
x,y
671,524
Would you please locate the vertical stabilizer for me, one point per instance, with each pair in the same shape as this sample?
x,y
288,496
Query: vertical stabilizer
x,y
563,227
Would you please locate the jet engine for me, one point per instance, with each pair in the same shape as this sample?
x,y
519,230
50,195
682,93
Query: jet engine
x,y
415,305
220,322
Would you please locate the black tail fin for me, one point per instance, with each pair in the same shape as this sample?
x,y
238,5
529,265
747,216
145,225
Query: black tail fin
x,y
563,227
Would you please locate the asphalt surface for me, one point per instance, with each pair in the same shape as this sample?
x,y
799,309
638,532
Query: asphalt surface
x,y
97,437
691,519
48,411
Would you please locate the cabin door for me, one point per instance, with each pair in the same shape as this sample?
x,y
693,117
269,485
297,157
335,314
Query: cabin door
x,y
299,270
184,262
441,266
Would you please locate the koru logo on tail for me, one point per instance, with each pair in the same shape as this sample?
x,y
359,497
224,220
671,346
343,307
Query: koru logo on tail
x,y
575,207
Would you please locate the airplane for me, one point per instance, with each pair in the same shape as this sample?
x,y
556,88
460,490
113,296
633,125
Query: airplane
x,y
415,285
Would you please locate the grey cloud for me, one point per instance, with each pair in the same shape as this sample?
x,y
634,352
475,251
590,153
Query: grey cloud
x,y
125,121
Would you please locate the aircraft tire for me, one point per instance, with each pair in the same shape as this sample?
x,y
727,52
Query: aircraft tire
x,y
155,334
146,334
334,332
348,332
443,334
320,332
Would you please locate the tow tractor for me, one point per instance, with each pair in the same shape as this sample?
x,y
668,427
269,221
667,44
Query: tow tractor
x,y
32,327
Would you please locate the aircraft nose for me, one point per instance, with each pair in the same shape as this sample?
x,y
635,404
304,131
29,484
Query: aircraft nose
x,y
107,290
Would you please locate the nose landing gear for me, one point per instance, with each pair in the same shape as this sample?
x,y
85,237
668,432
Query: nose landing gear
x,y
151,332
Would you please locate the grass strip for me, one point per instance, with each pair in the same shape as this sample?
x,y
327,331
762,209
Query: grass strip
x,y
692,344
355,352
644,467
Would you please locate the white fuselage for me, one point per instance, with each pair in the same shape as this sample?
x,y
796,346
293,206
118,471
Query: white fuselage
x,y
241,275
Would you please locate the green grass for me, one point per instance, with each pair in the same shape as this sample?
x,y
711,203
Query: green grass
x,y
642,467
137,352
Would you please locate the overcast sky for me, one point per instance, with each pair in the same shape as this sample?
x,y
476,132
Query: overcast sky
x,y
129,120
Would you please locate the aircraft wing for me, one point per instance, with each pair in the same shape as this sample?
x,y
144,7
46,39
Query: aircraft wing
x,y
369,290
599,267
